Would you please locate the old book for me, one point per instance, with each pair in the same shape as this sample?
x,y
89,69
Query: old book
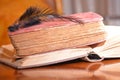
x,y
96,52
59,34
44,59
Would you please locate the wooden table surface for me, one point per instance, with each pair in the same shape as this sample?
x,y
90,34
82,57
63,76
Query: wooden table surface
x,y
72,70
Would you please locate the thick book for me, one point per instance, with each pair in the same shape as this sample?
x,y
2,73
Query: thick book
x,y
93,53
84,29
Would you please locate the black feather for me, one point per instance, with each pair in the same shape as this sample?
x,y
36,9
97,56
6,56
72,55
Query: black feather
x,y
32,22
29,13
13,28
69,18
34,15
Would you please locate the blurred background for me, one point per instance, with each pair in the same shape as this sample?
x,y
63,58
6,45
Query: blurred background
x,y
109,9
10,10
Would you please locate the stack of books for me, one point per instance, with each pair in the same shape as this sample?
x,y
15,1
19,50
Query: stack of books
x,y
108,49
62,40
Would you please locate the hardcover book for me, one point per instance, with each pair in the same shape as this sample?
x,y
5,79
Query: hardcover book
x,y
44,35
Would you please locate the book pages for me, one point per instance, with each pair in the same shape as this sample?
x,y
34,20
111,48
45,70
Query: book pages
x,y
111,47
45,58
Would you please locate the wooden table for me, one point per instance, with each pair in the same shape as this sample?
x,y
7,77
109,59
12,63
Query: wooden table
x,y
71,70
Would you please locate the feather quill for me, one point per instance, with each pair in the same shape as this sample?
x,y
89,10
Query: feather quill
x,y
34,15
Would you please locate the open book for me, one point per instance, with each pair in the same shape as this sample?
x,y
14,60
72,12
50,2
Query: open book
x,y
97,52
